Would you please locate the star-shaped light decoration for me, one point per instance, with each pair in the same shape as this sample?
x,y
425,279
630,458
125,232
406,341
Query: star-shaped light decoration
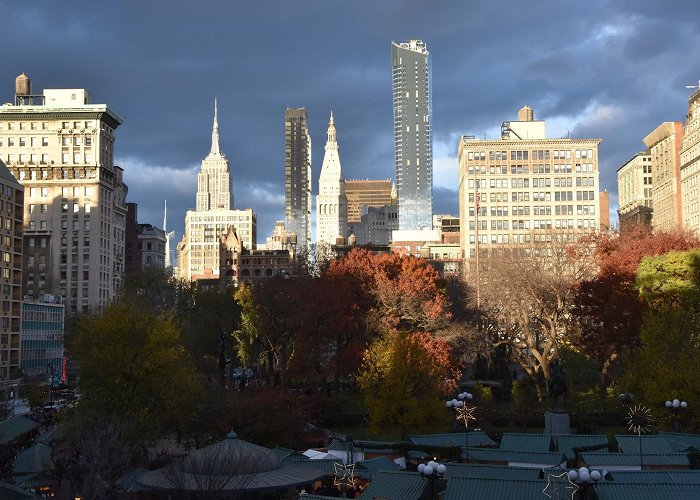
x,y
639,419
466,413
344,474
559,486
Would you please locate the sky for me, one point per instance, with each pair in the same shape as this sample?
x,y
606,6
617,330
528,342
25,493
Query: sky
x,y
612,70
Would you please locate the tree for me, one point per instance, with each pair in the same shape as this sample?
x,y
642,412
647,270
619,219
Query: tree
x,y
399,292
404,378
607,305
667,364
133,366
527,294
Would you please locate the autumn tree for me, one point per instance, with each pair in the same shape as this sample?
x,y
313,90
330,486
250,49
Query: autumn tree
x,y
405,378
668,362
400,292
607,305
133,366
526,297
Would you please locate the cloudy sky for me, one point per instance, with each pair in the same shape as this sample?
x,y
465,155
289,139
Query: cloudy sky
x,y
606,69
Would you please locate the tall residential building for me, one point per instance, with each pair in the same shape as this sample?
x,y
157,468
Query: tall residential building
x,y
690,165
514,188
368,193
198,250
376,225
331,203
11,213
664,144
61,149
412,136
297,176
634,187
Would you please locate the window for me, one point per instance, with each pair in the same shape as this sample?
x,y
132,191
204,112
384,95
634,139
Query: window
x,y
87,208
44,192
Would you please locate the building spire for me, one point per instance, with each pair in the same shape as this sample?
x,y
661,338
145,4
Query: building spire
x,y
332,142
215,133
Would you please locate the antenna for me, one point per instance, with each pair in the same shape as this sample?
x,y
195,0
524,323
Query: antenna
x,y
693,86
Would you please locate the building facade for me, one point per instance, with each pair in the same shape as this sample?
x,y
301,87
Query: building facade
x,y
11,214
368,193
198,250
634,188
690,165
42,339
331,203
297,176
61,149
525,184
412,133
376,225
664,144
145,243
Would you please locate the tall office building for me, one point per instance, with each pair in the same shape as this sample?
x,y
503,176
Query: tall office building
x,y
664,144
297,176
412,135
690,164
634,187
524,184
61,149
11,213
331,203
198,250
368,193
42,340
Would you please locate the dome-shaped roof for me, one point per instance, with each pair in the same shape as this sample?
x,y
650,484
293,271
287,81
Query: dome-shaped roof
x,y
230,457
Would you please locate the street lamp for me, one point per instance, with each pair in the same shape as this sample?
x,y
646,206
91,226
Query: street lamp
x,y
675,406
584,479
463,412
432,471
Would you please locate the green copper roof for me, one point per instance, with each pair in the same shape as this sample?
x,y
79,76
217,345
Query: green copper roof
x,y
397,485
537,443
657,476
567,442
484,471
474,438
469,488
650,444
614,490
14,427
631,460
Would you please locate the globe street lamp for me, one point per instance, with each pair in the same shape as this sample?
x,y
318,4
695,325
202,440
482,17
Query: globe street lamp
x,y
463,412
432,471
584,480
676,406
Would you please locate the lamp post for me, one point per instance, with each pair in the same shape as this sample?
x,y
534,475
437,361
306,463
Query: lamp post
x,y
463,412
676,406
585,480
432,471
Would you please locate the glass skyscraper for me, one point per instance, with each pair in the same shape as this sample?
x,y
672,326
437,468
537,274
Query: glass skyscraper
x,y
297,176
412,139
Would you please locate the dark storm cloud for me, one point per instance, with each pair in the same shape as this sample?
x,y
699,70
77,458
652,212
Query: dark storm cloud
x,y
608,69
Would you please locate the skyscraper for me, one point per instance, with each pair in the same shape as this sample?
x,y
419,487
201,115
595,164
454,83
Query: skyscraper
x,y
331,203
60,147
198,250
297,176
412,139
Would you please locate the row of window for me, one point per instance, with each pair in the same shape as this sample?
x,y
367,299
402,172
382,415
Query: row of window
x,y
540,154
557,168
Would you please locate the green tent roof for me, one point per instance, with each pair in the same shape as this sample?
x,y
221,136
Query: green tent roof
x,y
614,490
474,438
680,441
14,427
370,468
11,492
469,488
631,461
36,458
397,485
653,444
537,443
491,471
657,476
567,442
528,459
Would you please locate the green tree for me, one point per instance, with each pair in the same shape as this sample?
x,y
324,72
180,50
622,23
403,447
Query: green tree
x,y
404,379
133,366
668,362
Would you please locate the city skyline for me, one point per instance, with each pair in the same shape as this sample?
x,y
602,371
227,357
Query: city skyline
x,y
618,70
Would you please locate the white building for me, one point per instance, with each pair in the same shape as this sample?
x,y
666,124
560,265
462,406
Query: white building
x,y
690,165
331,202
60,147
198,250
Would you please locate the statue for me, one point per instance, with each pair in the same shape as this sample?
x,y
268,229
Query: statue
x,y
557,384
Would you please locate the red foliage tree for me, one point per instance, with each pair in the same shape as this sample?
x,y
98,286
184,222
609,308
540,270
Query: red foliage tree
x,y
397,292
607,306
